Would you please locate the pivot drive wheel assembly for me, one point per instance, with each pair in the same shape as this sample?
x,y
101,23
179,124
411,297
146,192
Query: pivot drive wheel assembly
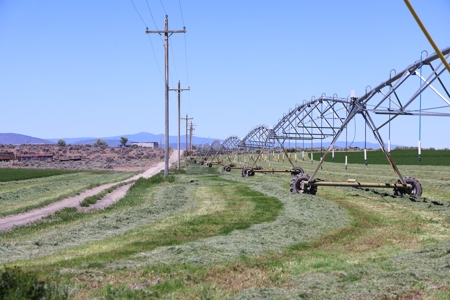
x,y
299,185
209,164
416,187
297,171
226,168
247,171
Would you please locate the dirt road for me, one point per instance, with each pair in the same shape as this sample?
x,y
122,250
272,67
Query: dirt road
x,y
36,214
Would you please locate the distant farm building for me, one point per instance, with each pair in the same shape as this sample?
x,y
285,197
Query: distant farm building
x,y
7,156
153,145
34,156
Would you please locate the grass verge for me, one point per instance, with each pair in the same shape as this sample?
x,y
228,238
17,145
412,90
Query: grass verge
x,y
93,199
207,234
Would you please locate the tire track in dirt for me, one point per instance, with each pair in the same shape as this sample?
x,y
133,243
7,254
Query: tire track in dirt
x,y
9,222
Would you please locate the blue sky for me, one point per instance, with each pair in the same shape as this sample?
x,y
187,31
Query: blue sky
x,y
87,68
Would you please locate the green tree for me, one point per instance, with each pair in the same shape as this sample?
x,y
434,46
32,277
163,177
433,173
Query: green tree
x,y
100,143
61,143
123,141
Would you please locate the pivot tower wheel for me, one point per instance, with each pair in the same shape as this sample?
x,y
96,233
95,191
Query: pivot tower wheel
x,y
297,171
416,189
247,171
299,185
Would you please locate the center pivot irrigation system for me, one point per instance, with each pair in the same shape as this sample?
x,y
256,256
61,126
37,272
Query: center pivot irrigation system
x,y
328,116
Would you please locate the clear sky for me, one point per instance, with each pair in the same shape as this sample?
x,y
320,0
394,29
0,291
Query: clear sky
x,y
87,69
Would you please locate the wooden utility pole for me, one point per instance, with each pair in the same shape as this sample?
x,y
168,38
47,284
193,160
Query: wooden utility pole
x,y
179,117
167,34
187,123
191,130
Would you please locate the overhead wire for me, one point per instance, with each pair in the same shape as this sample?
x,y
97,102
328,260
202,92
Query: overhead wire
x,y
171,48
185,52
161,39
163,7
153,50
156,59
148,6
138,13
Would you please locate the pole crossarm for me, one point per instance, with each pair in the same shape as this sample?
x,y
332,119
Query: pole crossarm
x,y
170,32
180,90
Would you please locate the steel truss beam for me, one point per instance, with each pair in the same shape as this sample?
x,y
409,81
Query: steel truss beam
x,y
257,138
327,116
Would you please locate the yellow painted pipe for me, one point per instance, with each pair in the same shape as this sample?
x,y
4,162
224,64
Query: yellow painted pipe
x,y
439,53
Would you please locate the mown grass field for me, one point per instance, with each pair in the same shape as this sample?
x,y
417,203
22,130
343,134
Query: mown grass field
x,y
204,234
23,194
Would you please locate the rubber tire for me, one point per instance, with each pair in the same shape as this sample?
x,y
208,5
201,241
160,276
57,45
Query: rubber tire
x,y
247,171
209,165
298,188
297,170
416,187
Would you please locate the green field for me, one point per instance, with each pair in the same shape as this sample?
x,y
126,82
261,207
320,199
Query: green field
x,y
400,157
207,234
11,174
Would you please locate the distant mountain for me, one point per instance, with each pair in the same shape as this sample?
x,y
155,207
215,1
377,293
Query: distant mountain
x,y
17,139
113,141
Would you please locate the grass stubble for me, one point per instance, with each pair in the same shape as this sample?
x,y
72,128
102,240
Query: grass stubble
x,y
24,195
213,235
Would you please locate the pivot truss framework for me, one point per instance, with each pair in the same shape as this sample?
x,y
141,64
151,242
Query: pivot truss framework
x,y
327,116
257,138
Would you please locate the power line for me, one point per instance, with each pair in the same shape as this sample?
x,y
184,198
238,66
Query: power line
x,y
182,18
151,14
156,27
185,59
163,6
154,55
150,40
174,64
138,13
185,53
